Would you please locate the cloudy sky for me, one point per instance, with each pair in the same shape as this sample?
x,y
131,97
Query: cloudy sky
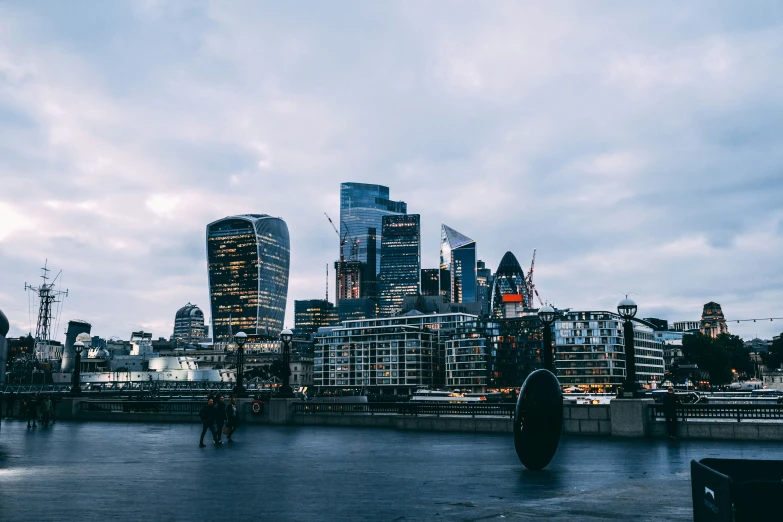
x,y
638,146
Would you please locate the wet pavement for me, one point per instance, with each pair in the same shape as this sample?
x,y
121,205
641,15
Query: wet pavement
x,y
99,471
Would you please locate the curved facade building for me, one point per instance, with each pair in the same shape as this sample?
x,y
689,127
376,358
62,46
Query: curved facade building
x,y
509,279
188,325
248,258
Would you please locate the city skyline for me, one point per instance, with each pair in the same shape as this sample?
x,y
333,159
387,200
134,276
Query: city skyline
x,y
635,162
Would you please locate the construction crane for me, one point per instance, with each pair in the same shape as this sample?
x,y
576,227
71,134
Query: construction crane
x,y
529,285
342,238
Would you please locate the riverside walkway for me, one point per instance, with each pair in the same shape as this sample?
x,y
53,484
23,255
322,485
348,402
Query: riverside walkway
x,y
135,471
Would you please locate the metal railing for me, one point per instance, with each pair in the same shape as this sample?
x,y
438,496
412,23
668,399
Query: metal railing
x,y
734,412
406,408
167,407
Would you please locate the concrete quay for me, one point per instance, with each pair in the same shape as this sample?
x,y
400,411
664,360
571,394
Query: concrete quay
x,y
620,418
153,471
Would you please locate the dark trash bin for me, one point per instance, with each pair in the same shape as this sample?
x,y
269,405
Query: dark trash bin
x,y
736,489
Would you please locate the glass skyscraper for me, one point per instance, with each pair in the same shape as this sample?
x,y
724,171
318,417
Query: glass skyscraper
x,y
248,260
458,266
430,281
312,314
362,207
509,279
400,262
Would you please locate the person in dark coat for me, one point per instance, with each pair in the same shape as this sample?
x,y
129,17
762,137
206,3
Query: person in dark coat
x,y
220,419
207,415
670,402
31,407
232,418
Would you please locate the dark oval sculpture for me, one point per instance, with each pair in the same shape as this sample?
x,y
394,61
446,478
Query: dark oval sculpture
x,y
538,419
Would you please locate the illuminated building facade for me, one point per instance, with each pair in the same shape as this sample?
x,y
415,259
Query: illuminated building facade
x,y
352,309
514,349
458,266
430,281
312,314
362,207
400,262
590,351
349,279
713,323
248,261
393,355
508,280
188,325
483,286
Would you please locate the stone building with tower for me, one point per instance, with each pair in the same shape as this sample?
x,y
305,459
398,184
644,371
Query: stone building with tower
x,y
713,323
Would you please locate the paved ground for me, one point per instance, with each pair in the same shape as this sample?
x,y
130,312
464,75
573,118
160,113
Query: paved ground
x,y
97,471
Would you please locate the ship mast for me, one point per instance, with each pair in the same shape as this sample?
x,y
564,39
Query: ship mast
x,y
48,295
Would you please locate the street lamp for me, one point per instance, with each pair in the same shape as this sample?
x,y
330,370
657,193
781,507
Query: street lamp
x,y
538,417
286,336
240,338
627,310
78,347
546,314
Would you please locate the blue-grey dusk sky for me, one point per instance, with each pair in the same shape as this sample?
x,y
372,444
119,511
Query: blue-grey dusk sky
x,y
638,146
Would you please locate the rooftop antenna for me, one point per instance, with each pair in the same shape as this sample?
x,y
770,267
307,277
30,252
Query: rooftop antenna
x,y
327,282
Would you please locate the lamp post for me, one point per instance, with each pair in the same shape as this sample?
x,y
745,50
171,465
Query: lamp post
x,y
546,314
240,338
76,388
286,336
538,417
627,310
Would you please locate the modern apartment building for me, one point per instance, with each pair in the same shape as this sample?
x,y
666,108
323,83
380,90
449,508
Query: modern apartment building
x,y
393,355
590,352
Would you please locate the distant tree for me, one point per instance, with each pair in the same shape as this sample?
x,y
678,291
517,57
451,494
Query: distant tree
x,y
738,354
278,369
710,355
774,357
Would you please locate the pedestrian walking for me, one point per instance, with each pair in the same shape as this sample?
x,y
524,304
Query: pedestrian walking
x,y
10,399
220,418
207,415
670,402
31,408
45,408
232,418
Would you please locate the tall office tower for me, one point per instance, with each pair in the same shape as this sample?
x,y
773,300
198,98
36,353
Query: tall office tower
x,y
483,286
188,325
400,262
713,323
430,281
370,268
248,260
312,314
509,280
362,207
458,258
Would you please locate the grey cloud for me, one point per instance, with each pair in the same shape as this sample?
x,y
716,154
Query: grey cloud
x,y
636,147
